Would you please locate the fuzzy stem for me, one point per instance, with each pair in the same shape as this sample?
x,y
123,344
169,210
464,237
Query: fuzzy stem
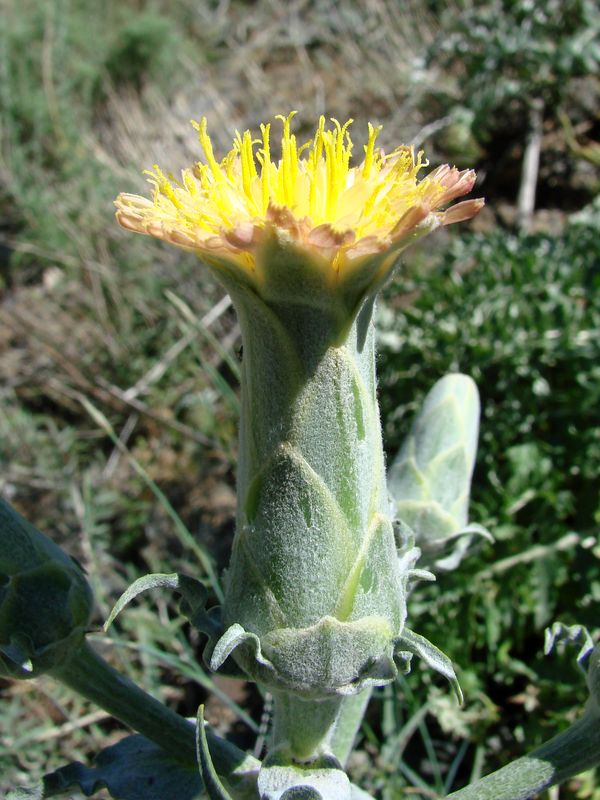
x,y
349,720
304,728
314,539
571,752
314,594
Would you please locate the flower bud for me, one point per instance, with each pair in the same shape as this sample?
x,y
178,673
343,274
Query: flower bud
x,y
45,599
430,479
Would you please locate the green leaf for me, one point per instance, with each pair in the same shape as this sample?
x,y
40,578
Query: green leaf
x,y
214,787
430,478
193,592
432,656
133,769
137,769
561,634
152,581
45,599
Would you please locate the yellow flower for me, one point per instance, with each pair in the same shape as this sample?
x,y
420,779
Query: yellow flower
x,y
311,198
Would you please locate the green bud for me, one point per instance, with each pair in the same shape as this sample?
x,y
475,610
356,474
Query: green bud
x,y
45,599
430,479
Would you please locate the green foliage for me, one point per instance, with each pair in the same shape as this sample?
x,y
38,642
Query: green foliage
x,y
132,769
520,315
45,600
510,52
142,50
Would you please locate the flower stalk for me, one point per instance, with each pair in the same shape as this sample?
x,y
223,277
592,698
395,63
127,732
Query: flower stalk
x,y
315,594
315,590
314,549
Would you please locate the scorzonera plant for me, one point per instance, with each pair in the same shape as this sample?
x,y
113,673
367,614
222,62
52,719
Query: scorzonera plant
x,y
327,545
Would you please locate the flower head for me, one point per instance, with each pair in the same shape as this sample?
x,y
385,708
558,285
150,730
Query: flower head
x,y
311,197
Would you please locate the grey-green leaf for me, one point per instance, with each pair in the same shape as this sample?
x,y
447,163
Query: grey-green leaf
x,y
430,478
214,787
432,656
192,591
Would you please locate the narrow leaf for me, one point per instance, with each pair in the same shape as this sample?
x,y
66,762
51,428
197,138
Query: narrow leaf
x,y
143,584
193,605
432,656
212,782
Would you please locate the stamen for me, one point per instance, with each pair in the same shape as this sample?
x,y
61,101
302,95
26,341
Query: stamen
x,y
206,145
369,150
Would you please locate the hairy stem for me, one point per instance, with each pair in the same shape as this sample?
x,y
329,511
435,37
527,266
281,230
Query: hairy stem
x,y
304,727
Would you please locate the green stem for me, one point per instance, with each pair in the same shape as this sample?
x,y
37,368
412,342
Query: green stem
x,y
571,752
349,720
303,728
88,674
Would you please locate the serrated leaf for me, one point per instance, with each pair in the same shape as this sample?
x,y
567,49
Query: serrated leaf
x,y
561,634
133,769
137,769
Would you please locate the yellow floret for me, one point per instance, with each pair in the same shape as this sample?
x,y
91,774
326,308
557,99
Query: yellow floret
x,y
312,192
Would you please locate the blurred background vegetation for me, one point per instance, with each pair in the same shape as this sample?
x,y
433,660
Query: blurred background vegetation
x,y
119,357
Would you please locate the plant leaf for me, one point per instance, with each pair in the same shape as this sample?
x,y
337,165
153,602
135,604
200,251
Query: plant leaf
x,y
560,634
143,584
137,769
214,787
432,656
133,769
194,595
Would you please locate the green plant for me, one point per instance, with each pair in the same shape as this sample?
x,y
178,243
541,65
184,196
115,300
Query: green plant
x,y
520,312
516,60
314,601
